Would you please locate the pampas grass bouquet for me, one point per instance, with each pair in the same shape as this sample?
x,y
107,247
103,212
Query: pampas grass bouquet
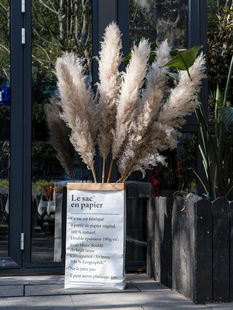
x,y
134,115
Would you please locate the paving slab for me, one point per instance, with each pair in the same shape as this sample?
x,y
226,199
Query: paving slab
x,y
139,277
9,291
58,289
147,300
48,293
38,303
116,308
221,306
144,283
8,280
147,286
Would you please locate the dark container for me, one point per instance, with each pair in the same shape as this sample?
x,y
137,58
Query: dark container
x,y
190,246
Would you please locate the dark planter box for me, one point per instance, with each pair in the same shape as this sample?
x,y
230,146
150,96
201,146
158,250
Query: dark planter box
x,y
190,246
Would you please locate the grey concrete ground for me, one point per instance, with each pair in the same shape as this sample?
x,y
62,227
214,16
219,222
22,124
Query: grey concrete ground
x,y
47,293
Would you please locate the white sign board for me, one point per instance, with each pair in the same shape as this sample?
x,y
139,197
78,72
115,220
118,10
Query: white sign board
x,y
95,236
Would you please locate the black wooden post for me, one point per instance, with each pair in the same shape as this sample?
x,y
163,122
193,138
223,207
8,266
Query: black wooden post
x,y
160,205
221,250
183,238
166,245
203,251
231,251
150,238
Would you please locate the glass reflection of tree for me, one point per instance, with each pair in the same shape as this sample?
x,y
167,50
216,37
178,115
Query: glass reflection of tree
x,y
58,26
159,20
4,43
4,125
4,82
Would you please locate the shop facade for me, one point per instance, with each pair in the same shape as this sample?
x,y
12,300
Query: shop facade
x,y
32,35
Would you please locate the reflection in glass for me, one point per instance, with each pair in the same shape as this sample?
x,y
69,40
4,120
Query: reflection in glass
x,y
179,175
57,27
4,125
220,45
159,20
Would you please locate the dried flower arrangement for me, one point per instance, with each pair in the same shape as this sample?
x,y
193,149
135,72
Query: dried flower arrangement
x,y
134,115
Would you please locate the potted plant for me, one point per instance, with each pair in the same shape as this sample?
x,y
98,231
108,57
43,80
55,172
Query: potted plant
x,y
190,245
133,116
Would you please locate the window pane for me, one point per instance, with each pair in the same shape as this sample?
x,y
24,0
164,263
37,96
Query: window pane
x,y
220,44
57,26
4,125
159,20
179,174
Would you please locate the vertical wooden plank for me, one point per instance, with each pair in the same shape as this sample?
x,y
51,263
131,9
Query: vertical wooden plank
x,y
221,270
231,251
166,244
190,246
160,205
159,233
150,237
203,251
180,248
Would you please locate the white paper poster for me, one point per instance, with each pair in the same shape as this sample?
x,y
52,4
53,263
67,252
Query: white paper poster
x,y
95,239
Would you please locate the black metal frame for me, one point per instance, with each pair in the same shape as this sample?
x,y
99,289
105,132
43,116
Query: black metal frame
x,y
16,157
197,35
104,11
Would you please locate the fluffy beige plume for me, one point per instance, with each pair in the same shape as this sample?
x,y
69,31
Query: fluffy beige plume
x,y
147,111
165,130
136,112
108,88
183,98
78,106
159,138
156,80
132,82
145,154
152,97
59,134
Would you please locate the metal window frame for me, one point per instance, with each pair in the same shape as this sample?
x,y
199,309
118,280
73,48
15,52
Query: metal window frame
x,y
16,141
197,35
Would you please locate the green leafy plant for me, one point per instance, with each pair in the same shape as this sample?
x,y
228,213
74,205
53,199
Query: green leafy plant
x,y
181,59
217,145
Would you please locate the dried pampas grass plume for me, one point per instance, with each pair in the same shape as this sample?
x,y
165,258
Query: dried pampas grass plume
x,y
146,113
164,131
78,106
138,114
132,82
108,88
59,133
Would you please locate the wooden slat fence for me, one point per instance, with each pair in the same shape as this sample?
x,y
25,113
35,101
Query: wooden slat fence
x,y
190,246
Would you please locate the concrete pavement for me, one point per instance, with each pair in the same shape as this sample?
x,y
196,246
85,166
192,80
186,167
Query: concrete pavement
x,y
47,293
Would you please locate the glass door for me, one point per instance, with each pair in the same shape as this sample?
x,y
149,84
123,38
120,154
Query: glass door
x,y
57,27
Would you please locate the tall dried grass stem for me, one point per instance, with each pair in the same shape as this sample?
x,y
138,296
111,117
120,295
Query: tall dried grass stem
x,y
110,170
103,169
